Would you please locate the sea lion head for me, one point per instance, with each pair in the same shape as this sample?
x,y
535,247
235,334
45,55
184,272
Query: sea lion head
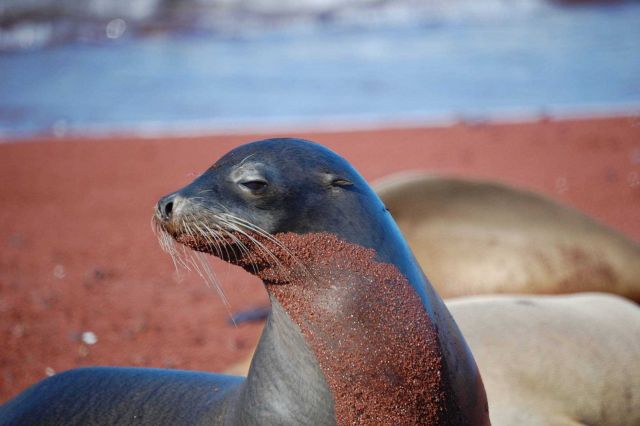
x,y
269,187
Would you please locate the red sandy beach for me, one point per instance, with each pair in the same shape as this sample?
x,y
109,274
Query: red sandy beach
x,y
77,253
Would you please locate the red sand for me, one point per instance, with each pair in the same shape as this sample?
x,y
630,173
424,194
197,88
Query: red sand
x,y
370,384
78,254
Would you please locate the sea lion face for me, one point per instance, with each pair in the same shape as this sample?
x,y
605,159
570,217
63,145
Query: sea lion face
x,y
270,187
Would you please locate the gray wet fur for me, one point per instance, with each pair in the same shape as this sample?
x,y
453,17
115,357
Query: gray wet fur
x,y
285,384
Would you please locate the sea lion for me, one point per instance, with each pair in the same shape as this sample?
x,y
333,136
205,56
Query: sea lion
x,y
356,334
555,360
479,237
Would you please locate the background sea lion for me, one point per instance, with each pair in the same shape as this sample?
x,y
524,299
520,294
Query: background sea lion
x,y
480,237
347,299
555,360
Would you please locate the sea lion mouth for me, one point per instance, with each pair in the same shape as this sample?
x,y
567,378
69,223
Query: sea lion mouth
x,y
219,234
228,237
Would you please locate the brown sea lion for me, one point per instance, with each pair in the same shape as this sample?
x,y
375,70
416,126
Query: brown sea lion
x,y
555,360
480,237
356,334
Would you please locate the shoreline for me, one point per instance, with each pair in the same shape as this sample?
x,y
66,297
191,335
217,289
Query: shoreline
x,y
326,124
78,255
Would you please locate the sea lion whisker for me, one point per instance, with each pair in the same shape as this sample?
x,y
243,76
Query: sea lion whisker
x,y
254,228
236,228
207,274
262,232
216,239
168,245
184,257
220,234
251,256
181,256
245,251
201,236
276,262
206,233
158,232
253,259
187,225
259,246
186,254
196,268
200,265
155,225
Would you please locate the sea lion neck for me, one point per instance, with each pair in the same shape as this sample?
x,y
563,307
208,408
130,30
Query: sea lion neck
x,y
284,380
372,337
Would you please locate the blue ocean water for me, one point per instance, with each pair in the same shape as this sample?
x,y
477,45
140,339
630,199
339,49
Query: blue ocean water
x,y
545,61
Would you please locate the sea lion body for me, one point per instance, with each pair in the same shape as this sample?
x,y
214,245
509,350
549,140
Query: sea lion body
x,y
356,334
481,237
555,360
122,396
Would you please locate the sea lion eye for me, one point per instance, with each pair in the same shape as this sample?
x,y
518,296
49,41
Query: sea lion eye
x,y
254,185
341,182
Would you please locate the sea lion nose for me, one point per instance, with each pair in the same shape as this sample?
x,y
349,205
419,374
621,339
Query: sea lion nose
x,y
167,206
